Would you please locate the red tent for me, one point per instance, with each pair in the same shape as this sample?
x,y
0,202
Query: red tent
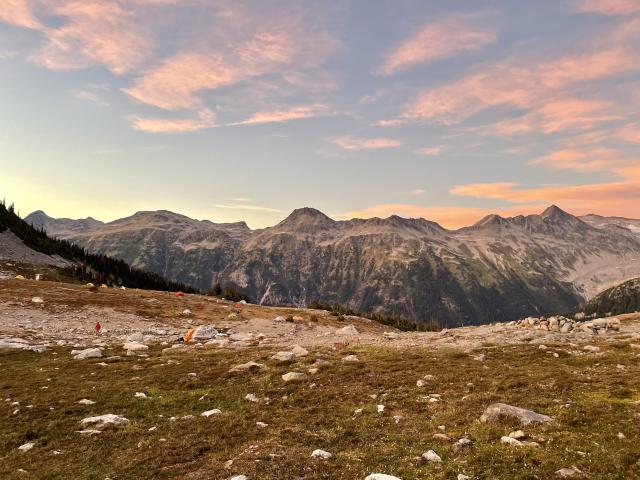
x,y
179,294
238,306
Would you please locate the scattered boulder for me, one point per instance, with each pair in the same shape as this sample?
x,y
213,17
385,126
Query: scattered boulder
x,y
284,357
208,413
204,332
321,454
37,300
569,472
103,421
348,330
251,367
511,441
299,351
500,412
351,359
381,476
431,456
86,401
135,347
87,353
26,447
252,398
294,377
140,395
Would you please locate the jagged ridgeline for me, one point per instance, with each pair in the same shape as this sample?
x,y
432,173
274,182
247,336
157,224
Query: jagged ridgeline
x,y
623,298
84,266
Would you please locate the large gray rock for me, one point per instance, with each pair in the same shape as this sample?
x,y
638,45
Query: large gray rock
x,y
204,332
294,377
348,330
251,367
501,412
87,353
103,421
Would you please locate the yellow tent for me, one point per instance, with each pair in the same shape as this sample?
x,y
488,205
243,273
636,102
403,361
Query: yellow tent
x,y
19,277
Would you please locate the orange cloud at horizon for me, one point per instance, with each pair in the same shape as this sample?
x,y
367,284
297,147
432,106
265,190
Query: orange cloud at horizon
x,y
438,40
278,116
615,198
205,119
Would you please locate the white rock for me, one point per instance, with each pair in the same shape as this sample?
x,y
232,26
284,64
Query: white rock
x,y
591,348
136,337
140,395
37,300
350,359
252,398
380,408
135,347
208,413
420,383
204,332
511,441
299,351
567,472
102,421
87,353
86,401
381,476
462,476
432,456
518,435
262,424
239,477
284,357
348,330
294,377
499,412
321,454
26,447
247,367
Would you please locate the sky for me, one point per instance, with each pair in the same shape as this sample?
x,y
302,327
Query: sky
x,y
248,109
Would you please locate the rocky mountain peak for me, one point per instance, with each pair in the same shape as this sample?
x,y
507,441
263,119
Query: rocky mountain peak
x,y
556,213
305,218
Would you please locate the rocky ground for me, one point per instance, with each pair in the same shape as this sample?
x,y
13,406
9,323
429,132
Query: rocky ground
x,y
295,393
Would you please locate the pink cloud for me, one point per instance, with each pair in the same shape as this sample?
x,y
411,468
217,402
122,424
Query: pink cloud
x,y
94,33
629,133
205,119
287,115
557,115
438,40
19,13
515,84
353,143
430,151
592,160
614,198
610,7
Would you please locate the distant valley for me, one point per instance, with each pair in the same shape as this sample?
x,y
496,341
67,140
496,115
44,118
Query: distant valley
x,y
496,270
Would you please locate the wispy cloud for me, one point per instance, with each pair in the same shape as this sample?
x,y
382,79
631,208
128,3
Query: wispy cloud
x,y
205,119
355,143
286,115
94,33
629,133
609,7
417,191
430,151
19,13
91,97
253,208
592,160
514,84
443,38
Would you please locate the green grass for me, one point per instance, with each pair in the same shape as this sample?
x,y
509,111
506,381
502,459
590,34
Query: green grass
x,y
600,397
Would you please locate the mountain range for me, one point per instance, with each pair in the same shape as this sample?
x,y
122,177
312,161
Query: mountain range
x,y
495,270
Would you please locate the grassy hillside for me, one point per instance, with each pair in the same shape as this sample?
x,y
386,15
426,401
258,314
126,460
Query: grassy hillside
x,y
87,267
623,298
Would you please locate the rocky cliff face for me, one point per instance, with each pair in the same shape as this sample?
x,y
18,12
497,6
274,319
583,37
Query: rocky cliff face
x,y
498,269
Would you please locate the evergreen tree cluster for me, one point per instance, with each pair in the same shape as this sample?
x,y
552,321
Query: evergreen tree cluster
x,y
396,321
623,298
87,267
